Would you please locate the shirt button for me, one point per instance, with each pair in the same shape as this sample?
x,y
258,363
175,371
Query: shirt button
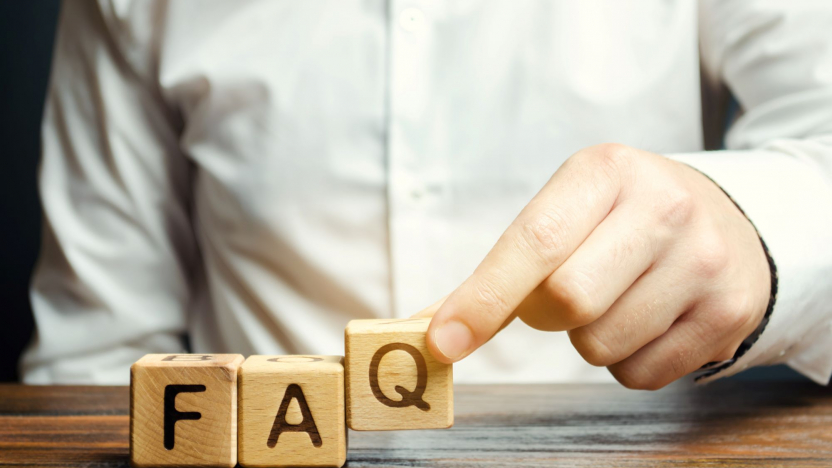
x,y
412,19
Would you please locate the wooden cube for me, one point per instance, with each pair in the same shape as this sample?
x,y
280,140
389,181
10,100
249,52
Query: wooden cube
x,y
183,410
291,411
393,382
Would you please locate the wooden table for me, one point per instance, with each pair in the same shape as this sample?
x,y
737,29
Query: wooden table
x,y
723,424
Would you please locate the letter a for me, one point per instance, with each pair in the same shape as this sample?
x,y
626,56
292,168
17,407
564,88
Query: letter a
x,y
307,425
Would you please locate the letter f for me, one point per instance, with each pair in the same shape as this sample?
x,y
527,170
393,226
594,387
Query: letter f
x,y
172,415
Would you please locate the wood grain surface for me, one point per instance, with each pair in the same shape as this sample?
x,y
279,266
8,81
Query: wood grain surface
x,y
317,432
184,410
393,382
725,424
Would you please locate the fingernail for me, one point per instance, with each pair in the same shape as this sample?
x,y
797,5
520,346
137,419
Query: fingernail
x,y
453,339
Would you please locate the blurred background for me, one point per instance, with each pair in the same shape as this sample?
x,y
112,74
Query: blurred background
x,y
26,35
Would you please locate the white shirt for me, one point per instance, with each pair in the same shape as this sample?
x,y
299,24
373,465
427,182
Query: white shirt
x,y
258,173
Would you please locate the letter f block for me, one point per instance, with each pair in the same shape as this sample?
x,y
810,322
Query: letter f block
x,y
183,410
393,382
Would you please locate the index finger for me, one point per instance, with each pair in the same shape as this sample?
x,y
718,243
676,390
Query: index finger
x,y
552,226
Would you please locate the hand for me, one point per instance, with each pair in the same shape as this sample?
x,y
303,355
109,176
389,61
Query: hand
x,y
646,262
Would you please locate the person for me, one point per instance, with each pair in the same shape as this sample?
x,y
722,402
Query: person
x,y
248,176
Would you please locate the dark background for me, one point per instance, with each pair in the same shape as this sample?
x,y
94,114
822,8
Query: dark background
x,y
27,30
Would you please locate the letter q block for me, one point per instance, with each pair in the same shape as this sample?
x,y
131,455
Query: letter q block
x,y
183,410
393,382
291,411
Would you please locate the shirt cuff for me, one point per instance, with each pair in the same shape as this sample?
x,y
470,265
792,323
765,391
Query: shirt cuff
x,y
789,200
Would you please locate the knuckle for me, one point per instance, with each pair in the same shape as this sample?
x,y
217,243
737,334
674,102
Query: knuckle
x,y
544,235
711,257
613,153
571,300
615,158
591,348
488,297
633,379
675,207
733,313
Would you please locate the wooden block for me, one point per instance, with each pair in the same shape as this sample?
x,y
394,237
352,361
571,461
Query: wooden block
x,y
291,411
393,382
183,410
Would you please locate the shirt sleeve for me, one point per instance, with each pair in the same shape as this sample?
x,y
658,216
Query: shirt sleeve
x,y
776,58
111,283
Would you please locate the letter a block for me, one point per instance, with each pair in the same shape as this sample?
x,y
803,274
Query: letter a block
x,y
393,382
183,410
291,411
